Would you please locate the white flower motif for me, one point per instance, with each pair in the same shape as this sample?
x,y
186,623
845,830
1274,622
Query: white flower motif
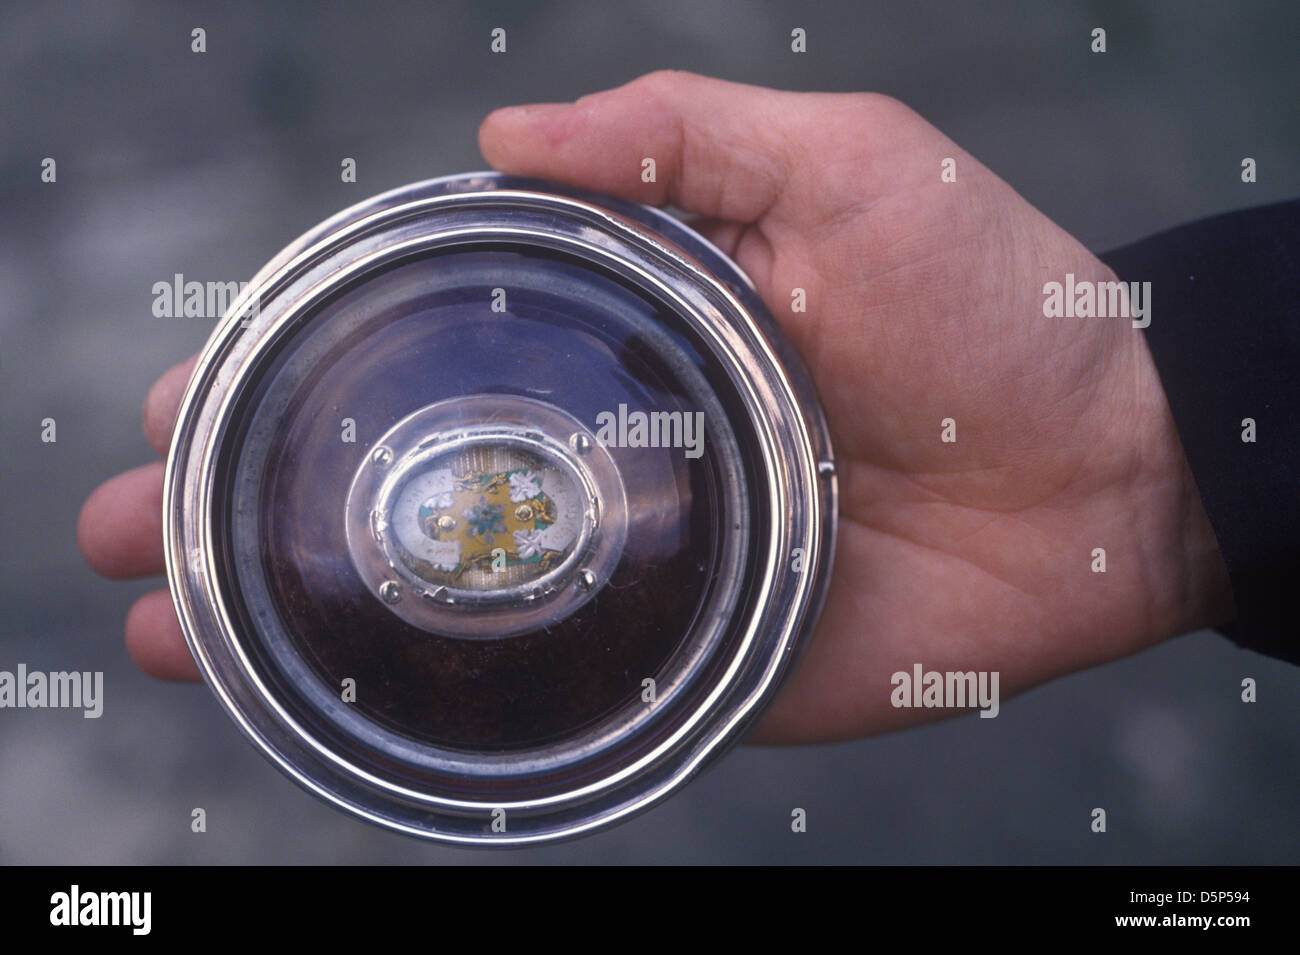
x,y
524,485
528,543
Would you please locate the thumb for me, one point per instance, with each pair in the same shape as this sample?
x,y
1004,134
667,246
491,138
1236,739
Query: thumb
x,y
719,148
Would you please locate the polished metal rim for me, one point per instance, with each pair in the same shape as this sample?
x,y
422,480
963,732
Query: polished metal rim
x,y
657,253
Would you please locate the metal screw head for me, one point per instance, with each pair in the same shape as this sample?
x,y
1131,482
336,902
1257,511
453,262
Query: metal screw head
x,y
586,580
524,512
390,591
579,443
381,457
446,522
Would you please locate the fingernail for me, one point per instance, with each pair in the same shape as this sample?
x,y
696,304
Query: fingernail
x,y
535,109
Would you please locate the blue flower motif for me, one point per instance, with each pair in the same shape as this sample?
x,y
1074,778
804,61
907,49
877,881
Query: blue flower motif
x,y
485,519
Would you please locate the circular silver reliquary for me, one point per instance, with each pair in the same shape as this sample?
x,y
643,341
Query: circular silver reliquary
x,y
496,509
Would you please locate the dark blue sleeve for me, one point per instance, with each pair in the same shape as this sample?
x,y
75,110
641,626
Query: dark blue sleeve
x,y
1225,336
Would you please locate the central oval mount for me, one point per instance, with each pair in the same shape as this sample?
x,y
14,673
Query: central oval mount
x,y
486,516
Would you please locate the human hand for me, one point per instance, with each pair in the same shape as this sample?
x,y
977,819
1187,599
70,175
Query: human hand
x,y
924,303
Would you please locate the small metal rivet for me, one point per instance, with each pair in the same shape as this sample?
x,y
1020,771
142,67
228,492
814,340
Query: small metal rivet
x,y
446,522
381,457
586,580
390,591
826,468
579,443
524,512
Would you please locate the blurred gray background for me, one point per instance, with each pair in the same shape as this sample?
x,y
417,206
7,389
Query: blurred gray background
x,y
206,165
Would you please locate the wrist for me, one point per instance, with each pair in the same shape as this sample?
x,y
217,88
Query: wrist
x,y
1189,587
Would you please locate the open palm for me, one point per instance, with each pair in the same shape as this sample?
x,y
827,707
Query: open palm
x,y
923,303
